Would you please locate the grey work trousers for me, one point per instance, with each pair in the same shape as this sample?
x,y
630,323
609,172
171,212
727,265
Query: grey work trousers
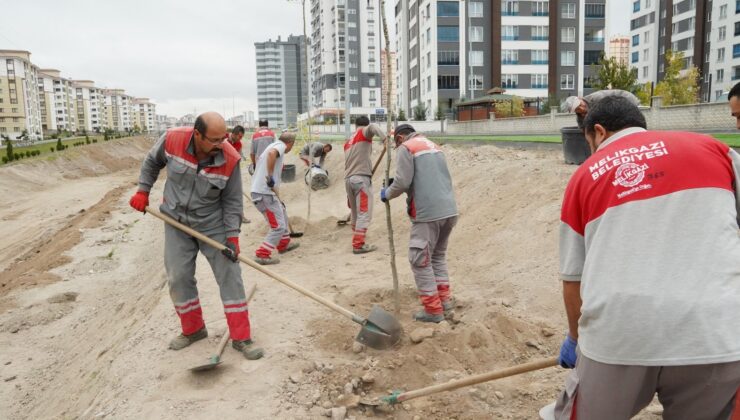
x,y
359,197
600,391
428,259
274,211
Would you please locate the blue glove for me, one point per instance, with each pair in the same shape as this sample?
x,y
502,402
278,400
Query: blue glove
x,y
383,198
270,181
567,357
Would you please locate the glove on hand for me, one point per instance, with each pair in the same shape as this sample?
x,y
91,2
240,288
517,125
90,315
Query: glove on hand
x,y
270,181
567,357
232,249
139,201
383,198
250,169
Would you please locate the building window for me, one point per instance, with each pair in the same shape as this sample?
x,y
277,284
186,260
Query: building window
x,y
475,82
539,57
510,57
371,81
737,27
736,51
509,33
720,55
568,35
591,57
635,56
539,81
567,58
540,33
372,94
645,54
646,37
567,82
448,58
475,9
476,34
723,11
509,81
448,8
448,33
636,6
541,8
509,8
568,11
722,33
635,40
448,82
595,11
476,58
645,72
720,76
647,4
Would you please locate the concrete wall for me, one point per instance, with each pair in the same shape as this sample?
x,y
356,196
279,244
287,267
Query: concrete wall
x,y
699,117
420,126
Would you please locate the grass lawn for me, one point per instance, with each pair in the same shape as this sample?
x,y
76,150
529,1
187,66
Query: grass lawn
x,y
45,148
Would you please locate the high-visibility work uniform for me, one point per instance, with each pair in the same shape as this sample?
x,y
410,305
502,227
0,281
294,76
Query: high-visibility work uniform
x,y
206,196
264,198
421,172
311,151
260,140
649,230
358,170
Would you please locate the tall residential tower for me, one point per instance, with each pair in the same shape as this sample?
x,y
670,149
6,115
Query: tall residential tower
x,y
282,80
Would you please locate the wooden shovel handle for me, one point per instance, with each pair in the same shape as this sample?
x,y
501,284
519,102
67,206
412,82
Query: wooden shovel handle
x,y
380,158
320,299
226,336
477,379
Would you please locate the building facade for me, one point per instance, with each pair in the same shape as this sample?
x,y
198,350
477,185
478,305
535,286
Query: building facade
x,y
329,49
686,26
619,49
282,80
724,50
59,103
451,50
20,110
143,114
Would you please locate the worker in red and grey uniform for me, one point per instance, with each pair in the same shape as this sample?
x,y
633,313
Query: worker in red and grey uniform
x,y
314,150
358,171
265,187
421,173
262,138
733,97
203,191
235,138
649,252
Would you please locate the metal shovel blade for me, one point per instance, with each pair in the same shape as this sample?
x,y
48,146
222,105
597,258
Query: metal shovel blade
x,y
212,363
380,331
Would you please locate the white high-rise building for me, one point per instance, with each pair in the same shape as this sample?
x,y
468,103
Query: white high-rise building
x,y
328,53
89,105
282,84
59,102
724,58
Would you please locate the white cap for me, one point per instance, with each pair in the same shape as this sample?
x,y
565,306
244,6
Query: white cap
x,y
570,104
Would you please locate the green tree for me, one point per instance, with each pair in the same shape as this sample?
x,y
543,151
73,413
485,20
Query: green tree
x,y
401,115
615,75
439,115
512,108
551,101
60,146
420,112
643,93
675,88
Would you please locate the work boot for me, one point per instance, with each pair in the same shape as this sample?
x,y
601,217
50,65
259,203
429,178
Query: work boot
x,y
448,305
266,261
246,348
291,246
182,340
424,316
364,249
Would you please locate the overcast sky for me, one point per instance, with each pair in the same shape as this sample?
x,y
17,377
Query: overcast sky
x,y
185,55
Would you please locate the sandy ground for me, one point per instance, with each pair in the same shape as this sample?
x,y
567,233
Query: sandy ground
x,y
85,316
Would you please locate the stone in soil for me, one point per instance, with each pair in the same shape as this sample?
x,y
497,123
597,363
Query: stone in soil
x,y
420,334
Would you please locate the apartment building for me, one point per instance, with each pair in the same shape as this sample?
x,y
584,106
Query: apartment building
x,y
117,110
88,106
686,26
19,104
619,48
724,50
330,51
143,114
453,50
59,102
282,80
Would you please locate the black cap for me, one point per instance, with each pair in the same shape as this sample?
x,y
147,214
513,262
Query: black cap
x,y
404,129
263,123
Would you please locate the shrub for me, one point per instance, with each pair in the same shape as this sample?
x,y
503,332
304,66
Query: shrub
x,y
5,159
53,149
95,140
9,150
60,146
28,153
16,156
87,139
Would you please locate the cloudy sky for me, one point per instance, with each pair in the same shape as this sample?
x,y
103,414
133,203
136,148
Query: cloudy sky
x,y
185,55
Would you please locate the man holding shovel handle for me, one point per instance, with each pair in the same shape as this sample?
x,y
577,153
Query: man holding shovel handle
x,y
203,191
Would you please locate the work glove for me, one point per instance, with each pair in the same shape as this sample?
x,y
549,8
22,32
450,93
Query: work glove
x,y
567,357
250,169
270,181
383,198
390,181
232,248
139,201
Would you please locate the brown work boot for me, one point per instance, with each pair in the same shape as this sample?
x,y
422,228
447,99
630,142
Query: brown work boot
x,y
246,347
182,340
267,261
291,246
364,249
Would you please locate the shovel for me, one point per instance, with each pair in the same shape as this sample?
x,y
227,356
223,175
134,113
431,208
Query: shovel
x,y
342,222
397,396
215,360
380,330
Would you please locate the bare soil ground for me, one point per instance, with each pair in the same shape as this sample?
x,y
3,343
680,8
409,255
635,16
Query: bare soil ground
x,y
85,316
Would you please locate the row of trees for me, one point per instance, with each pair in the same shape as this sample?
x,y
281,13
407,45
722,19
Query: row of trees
x,y
675,88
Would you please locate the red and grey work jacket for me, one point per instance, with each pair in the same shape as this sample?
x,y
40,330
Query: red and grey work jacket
x,y
421,172
260,140
207,195
357,152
